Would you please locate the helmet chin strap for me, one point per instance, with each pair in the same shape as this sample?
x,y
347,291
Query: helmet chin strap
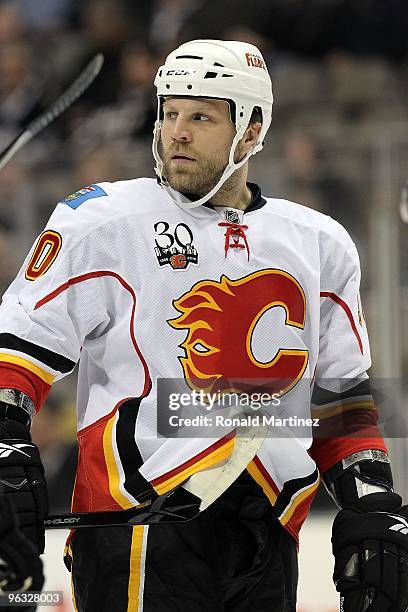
x,y
230,168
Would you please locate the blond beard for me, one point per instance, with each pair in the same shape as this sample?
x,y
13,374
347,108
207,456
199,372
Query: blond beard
x,y
203,182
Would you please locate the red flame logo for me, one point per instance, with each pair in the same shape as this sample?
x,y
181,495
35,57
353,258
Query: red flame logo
x,y
220,318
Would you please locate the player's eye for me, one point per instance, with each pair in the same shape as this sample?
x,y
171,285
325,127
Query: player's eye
x,y
170,115
200,117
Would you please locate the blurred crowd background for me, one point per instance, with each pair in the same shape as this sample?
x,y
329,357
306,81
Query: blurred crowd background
x,y
338,140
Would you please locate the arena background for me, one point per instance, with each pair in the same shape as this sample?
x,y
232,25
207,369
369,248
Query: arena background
x,y
338,143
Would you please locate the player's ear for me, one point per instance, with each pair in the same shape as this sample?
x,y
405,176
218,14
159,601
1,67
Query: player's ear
x,y
250,137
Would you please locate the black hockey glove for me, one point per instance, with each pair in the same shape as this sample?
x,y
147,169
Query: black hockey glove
x,y
20,564
22,480
370,546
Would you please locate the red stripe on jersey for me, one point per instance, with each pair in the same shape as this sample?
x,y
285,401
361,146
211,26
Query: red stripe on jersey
x,y
329,450
13,376
91,489
348,312
299,516
266,474
327,453
187,464
125,285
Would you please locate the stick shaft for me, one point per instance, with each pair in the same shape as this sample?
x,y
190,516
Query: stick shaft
x,y
70,95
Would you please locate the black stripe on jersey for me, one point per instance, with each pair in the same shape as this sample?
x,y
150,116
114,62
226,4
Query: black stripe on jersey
x,y
290,488
53,360
321,396
129,454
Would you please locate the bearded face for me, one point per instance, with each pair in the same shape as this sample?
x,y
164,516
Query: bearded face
x,y
199,176
196,138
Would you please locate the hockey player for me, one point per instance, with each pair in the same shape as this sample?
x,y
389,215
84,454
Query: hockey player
x,y
199,277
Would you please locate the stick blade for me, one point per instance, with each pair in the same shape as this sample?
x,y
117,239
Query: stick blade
x,y
177,506
211,483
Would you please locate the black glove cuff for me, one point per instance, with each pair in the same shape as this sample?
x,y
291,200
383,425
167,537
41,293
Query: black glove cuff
x,y
14,430
357,476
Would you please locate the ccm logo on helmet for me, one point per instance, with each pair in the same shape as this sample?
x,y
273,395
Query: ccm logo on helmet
x,y
255,61
180,72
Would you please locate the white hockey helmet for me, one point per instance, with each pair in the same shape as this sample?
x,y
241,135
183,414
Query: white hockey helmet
x,y
223,69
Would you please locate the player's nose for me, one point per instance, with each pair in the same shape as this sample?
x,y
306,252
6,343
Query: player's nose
x,y
181,131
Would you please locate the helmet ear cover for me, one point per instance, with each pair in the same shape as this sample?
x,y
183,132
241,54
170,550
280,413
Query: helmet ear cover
x,y
256,116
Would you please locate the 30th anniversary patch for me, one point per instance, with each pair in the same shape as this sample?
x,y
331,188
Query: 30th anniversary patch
x,y
174,245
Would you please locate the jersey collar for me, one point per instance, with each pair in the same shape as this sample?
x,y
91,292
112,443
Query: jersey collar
x,y
257,201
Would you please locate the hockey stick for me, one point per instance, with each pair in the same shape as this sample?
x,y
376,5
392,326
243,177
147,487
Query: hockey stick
x,y
181,504
87,76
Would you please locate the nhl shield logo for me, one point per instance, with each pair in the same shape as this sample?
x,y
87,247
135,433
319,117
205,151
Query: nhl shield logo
x,y
232,216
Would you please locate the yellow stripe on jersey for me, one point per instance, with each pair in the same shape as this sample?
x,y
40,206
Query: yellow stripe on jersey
x,y
73,595
302,495
24,363
263,483
330,411
68,551
136,570
113,471
218,455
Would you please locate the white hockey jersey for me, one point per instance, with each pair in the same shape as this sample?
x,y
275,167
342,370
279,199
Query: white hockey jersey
x,y
140,290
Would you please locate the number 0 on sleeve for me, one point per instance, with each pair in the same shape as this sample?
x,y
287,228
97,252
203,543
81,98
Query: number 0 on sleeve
x,y
45,252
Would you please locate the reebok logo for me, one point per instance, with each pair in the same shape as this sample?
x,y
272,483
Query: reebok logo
x,y
401,526
7,449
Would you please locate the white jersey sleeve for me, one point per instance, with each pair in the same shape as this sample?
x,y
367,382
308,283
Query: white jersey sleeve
x,y
341,398
344,352
43,326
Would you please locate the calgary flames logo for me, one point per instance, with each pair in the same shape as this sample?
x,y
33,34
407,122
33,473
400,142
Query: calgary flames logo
x,y
221,317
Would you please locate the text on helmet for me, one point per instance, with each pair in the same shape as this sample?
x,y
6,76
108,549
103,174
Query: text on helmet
x,y
255,61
